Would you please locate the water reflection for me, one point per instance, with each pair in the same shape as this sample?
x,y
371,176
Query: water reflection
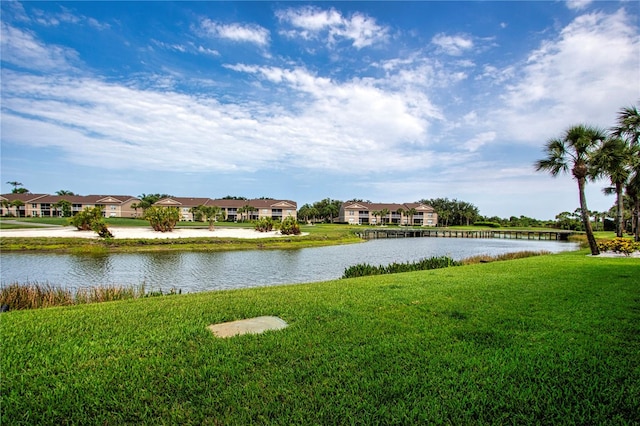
x,y
192,272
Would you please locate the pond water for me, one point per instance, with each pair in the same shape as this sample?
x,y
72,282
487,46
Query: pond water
x,y
193,271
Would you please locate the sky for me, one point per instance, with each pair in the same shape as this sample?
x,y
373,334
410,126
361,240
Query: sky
x,y
390,102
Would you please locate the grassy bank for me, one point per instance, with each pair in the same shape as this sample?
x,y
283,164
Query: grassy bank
x,y
542,340
319,235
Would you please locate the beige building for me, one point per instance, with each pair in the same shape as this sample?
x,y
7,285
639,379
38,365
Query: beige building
x,y
361,213
234,210
45,205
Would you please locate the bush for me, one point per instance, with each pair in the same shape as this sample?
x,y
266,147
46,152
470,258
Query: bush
x,y
290,226
162,219
86,219
264,225
91,219
619,245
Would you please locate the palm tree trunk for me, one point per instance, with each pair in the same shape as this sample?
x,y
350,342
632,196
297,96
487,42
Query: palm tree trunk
x,y
620,212
636,218
584,212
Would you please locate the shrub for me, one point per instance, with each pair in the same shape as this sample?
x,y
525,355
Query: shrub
x,y
264,225
290,226
86,219
619,245
91,219
162,219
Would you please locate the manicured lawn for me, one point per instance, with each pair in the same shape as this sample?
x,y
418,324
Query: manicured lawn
x,y
543,340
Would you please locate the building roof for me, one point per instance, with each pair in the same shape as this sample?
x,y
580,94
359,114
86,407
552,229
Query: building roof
x,y
225,203
25,198
392,207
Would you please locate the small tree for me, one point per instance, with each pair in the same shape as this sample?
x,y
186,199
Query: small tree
x,y
91,219
162,219
289,226
64,206
212,213
19,205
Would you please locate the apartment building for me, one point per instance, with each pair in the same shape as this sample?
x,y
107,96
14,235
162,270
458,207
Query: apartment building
x,y
233,210
45,205
361,213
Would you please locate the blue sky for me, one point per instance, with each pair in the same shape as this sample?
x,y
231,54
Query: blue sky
x,y
383,101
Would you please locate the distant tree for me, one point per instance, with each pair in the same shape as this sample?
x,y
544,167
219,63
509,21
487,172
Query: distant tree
x,y
147,200
384,213
163,219
573,151
64,206
135,207
328,209
410,214
614,159
233,197
308,212
15,185
20,191
212,213
400,212
64,192
246,211
19,205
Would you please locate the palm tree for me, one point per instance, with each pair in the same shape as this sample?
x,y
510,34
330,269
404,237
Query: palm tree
x,y
628,125
628,128
400,211
64,192
574,151
384,213
410,213
15,185
633,191
614,159
212,213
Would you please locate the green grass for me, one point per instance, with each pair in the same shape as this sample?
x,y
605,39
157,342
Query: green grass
x,y
543,340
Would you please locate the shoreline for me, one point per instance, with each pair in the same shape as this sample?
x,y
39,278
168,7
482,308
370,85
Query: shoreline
x,y
120,233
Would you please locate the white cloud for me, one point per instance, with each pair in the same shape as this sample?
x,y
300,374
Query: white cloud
x,y
454,45
350,127
479,140
21,48
313,23
247,33
584,75
578,4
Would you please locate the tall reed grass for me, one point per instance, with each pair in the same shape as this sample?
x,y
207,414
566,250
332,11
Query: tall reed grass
x,y
484,258
44,295
364,269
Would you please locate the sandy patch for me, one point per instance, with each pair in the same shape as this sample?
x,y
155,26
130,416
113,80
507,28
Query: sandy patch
x,y
140,232
635,254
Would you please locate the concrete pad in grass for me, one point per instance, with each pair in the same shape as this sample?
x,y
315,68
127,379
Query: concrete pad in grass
x,y
255,325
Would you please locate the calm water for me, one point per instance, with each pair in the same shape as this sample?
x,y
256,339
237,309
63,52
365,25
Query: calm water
x,y
194,272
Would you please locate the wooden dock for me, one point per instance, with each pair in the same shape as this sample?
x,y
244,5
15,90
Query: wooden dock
x,y
372,233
